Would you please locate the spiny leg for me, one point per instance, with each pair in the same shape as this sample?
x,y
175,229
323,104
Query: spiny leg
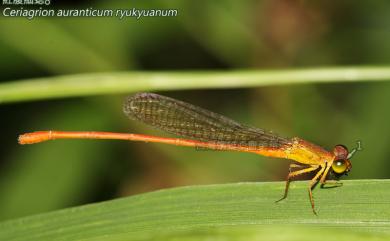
x,y
331,183
325,173
293,165
323,180
311,185
293,174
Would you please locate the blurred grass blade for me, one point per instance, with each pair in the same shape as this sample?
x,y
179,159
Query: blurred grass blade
x,y
358,206
44,37
124,82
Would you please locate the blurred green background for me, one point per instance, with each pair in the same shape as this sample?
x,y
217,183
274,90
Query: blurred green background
x,y
207,35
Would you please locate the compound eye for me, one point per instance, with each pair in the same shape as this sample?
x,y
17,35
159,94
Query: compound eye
x,y
339,166
340,151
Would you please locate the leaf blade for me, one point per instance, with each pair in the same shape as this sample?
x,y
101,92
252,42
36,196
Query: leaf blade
x,y
360,205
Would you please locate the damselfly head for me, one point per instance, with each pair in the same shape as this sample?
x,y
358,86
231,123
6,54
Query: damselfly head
x,y
340,152
341,165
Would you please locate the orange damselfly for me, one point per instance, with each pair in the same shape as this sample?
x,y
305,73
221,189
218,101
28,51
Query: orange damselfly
x,y
206,129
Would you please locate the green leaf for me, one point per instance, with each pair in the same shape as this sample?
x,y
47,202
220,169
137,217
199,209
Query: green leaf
x,y
124,82
359,210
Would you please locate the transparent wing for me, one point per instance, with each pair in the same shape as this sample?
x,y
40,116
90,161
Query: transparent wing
x,y
187,120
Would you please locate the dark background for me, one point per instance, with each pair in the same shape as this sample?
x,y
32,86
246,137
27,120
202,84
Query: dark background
x,y
212,35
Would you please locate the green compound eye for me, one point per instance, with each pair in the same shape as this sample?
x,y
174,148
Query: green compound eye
x,y
339,166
